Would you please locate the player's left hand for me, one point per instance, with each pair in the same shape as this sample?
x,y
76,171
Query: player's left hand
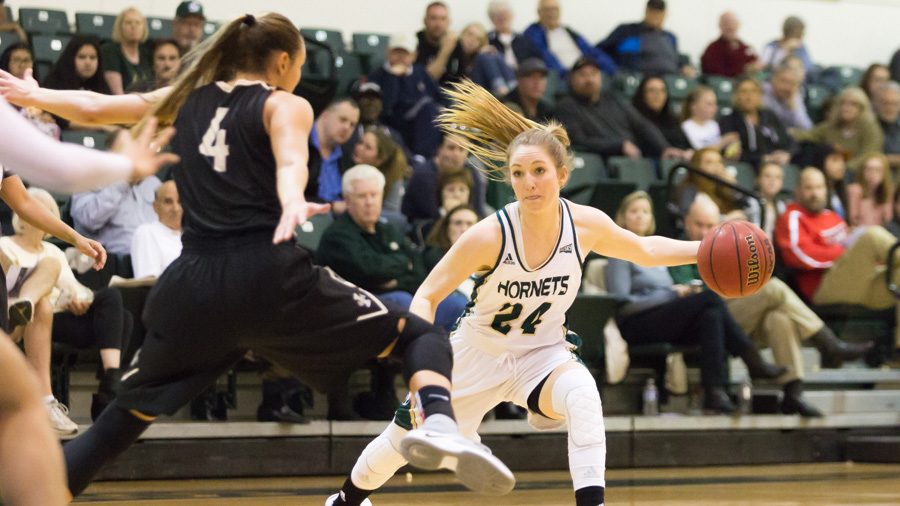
x,y
295,214
92,249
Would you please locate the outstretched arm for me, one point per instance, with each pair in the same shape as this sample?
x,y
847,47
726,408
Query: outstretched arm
x,y
82,106
599,233
476,250
69,168
288,119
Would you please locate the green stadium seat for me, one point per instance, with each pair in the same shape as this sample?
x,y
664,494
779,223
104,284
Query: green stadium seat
x,y
679,86
659,199
588,170
641,172
46,21
744,174
96,140
846,74
791,178
587,317
92,23
310,240
349,69
499,194
627,82
320,64
47,48
371,47
816,97
7,39
331,38
159,28
553,88
723,86
608,194
209,28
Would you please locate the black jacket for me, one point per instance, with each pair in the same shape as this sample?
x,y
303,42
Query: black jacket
x,y
768,135
522,47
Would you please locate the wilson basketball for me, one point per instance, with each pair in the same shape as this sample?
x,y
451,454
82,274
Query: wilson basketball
x,y
736,259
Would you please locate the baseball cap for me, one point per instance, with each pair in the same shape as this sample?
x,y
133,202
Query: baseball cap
x,y
584,61
192,8
530,66
401,41
366,88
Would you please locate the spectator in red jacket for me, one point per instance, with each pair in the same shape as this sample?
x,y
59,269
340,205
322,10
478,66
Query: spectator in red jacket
x,y
728,55
833,266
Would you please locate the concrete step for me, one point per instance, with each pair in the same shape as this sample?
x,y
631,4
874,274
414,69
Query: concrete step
x,y
873,449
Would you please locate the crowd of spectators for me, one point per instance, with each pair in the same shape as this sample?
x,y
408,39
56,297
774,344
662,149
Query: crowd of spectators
x,y
402,193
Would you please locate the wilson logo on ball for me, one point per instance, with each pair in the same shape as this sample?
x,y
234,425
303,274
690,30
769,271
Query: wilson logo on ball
x,y
753,262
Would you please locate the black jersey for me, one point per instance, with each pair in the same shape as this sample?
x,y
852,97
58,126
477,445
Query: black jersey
x,y
226,176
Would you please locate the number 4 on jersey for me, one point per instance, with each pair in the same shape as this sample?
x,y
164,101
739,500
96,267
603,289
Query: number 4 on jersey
x,y
529,325
213,143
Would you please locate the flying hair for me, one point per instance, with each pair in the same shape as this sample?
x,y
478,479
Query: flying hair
x,y
491,131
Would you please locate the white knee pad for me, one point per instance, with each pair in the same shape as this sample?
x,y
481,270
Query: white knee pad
x,y
575,394
380,460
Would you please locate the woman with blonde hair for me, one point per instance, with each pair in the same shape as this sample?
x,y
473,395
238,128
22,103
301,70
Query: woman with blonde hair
x,y
850,127
476,59
511,344
127,59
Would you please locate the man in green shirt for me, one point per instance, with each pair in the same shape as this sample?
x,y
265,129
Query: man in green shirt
x,y
774,316
373,254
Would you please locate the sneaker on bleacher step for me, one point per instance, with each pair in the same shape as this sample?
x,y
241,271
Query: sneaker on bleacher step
x,y
332,501
21,312
59,418
437,444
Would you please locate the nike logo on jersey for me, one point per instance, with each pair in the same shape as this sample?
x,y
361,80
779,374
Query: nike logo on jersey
x,y
509,260
566,249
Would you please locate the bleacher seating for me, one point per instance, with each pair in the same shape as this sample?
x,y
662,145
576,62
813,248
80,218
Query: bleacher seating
x,y
371,47
88,138
349,68
641,172
588,170
331,38
679,87
159,28
744,174
723,86
7,39
47,48
96,24
608,194
627,82
45,21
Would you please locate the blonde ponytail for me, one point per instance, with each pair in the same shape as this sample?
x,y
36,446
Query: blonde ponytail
x,y
490,130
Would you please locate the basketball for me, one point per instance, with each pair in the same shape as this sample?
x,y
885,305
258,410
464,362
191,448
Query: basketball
x,y
736,259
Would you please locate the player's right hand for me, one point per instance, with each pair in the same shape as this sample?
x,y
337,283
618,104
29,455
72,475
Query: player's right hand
x,y
294,214
144,152
18,91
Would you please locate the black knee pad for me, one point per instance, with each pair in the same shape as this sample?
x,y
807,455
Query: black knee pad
x,y
424,346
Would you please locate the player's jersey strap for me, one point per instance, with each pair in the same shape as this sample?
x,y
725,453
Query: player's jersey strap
x,y
516,307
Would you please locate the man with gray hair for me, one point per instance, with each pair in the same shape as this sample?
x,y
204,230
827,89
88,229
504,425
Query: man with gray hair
x,y
514,47
783,95
887,108
372,254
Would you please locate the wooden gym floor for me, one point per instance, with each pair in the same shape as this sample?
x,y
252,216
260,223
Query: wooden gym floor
x,y
782,485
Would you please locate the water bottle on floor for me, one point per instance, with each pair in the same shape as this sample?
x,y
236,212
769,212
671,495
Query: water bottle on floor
x,y
651,398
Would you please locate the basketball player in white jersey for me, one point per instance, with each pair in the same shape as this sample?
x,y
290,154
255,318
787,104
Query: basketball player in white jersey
x,y
510,344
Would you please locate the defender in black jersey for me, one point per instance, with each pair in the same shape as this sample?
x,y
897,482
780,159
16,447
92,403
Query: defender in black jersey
x,y
241,284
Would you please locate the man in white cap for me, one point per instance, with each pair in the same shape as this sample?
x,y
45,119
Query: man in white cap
x,y
409,96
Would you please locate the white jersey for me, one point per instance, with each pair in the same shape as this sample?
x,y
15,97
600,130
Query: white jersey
x,y
516,308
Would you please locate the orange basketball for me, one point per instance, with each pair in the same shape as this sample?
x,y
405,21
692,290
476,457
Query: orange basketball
x,y
736,259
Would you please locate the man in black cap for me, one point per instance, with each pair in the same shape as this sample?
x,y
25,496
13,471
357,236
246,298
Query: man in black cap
x,y
368,96
603,124
527,97
645,46
187,27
